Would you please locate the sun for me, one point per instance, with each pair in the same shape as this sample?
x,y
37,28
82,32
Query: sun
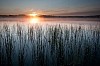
x,y
33,14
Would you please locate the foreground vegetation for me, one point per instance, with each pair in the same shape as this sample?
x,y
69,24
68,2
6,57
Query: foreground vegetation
x,y
50,45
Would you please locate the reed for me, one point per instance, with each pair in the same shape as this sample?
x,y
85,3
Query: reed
x,y
52,45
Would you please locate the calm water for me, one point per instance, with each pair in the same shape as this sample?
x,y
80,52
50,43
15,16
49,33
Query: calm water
x,y
49,42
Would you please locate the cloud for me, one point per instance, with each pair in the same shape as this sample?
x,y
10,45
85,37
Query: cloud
x,y
94,12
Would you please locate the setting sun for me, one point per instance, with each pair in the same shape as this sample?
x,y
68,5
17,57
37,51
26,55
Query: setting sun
x,y
33,14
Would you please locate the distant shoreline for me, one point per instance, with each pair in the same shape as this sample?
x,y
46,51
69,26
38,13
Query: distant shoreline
x,y
49,16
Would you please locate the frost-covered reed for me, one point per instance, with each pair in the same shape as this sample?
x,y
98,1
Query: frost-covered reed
x,y
52,45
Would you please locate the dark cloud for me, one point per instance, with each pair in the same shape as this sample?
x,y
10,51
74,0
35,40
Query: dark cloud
x,y
95,12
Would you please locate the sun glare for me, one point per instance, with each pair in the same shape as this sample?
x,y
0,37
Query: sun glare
x,y
33,18
33,14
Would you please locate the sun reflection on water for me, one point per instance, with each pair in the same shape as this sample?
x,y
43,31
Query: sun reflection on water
x,y
34,20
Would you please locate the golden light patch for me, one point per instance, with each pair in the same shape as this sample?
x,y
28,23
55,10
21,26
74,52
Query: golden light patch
x,y
34,20
33,14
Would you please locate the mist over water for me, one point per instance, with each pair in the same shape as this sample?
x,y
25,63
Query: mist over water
x,y
49,42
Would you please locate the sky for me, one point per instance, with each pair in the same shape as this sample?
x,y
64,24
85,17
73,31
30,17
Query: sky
x,y
50,7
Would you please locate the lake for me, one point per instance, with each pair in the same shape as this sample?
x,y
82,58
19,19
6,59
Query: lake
x,y
49,42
